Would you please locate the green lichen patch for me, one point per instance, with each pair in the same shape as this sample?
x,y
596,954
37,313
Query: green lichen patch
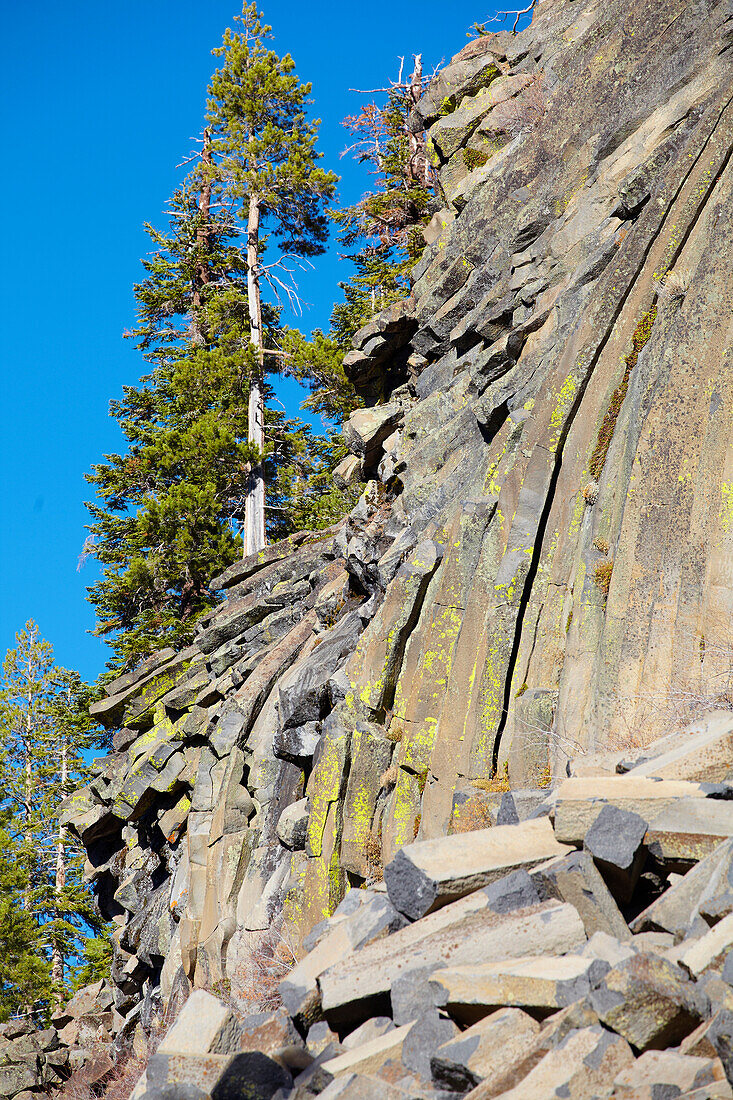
x,y
642,332
475,158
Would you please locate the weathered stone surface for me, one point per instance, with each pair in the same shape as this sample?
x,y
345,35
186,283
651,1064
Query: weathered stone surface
x,y
369,922
292,825
369,1056
583,1066
704,752
711,950
251,1074
678,907
367,429
298,744
690,830
656,1068
205,1026
424,876
371,1029
648,1001
466,931
580,801
484,1050
575,879
538,983
616,842
428,1032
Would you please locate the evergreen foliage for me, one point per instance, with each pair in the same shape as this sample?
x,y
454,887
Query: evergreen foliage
x,y
383,235
385,227
264,165
168,511
46,910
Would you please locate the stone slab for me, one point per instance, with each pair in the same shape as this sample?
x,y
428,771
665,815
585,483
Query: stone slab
x,y
426,875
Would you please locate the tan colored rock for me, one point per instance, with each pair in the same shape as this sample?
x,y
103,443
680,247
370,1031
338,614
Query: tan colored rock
x,y
369,1056
578,802
484,1050
690,830
582,1067
574,878
464,932
539,983
666,1067
703,752
204,1026
677,908
648,1001
426,875
552,1033
370,921
370,1029
710,949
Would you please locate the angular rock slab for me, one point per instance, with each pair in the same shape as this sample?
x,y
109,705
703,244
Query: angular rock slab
x,y
660,1068
703,753
424,876
579,801
616,842
576,880
649,1001
689,830
710,950
204,1026
582,1067
679,906
369,922
465,932
541,983
484,1050
369,1056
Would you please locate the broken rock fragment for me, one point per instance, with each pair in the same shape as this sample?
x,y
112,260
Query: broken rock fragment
x,y
616,842
426,875
484,1050
541,984
649,1001
466,932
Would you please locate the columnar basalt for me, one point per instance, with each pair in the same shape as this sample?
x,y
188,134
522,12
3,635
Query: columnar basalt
x,y
540,563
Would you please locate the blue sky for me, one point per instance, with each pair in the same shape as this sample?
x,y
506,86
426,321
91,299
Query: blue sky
x,y
99,102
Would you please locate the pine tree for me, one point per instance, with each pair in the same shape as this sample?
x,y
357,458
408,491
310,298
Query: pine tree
x,y
386,224
45,731
25,971
383,230
265,161
167,512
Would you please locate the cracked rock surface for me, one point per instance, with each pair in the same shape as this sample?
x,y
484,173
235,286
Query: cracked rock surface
x,y
536,580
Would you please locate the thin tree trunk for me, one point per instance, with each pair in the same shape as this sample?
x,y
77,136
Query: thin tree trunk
x,y
57,959
202,274
28,792
254,512
418,167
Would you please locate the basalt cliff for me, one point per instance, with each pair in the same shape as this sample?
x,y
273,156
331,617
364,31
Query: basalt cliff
x,y
536,583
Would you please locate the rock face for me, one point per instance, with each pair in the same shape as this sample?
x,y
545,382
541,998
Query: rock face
x,y
539,567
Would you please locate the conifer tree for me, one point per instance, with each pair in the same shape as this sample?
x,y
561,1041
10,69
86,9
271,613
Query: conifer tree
x,y
385,226
45,730
168,511
383,230
265,161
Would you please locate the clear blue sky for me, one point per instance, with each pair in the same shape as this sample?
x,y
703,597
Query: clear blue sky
x,y
99,103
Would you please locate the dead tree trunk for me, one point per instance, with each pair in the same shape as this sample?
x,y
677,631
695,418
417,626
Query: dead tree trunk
x,y
254,513
418,166
57,958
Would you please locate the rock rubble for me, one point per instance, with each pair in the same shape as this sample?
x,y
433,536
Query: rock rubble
x,y
485,719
